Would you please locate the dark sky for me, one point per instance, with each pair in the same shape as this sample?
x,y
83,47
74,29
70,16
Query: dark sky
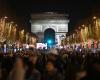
x,y
20,10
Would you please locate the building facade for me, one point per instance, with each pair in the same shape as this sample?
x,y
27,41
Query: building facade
x,y
56,21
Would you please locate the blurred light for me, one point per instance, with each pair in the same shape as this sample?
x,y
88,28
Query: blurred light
x,y
15,50
94,17
76,30
16,25
5,17
12,22
27,46
79,28
20,49
49,41
83,25
5,48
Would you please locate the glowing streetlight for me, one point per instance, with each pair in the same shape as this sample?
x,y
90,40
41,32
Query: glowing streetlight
x,y
94,17
5,17
83,25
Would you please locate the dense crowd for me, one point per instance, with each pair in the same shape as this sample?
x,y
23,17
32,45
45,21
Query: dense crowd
x,y
52,65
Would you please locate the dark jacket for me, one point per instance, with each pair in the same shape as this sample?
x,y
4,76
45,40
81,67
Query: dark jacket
x,y
35,75
53,75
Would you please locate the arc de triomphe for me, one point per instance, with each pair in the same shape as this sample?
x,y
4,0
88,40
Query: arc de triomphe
x,y
42,21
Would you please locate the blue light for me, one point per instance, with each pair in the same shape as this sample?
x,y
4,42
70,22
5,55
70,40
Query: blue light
x,y
49,41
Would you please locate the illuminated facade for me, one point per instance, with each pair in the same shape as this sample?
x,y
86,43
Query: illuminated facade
x,y
56,21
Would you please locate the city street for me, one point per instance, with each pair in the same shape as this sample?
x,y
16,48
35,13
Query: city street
x,y
49,40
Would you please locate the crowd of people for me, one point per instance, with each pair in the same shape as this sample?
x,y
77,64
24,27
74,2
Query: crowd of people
x,y
52,65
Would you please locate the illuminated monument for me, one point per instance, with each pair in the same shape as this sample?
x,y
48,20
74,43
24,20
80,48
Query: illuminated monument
x,y
58,22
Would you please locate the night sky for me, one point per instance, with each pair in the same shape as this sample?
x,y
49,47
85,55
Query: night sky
x,y
20,10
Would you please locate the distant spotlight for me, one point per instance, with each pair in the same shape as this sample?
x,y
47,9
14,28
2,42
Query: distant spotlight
x,y
49,41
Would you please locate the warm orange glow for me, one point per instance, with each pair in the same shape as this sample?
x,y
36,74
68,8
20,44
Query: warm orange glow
x,y
94,17
5,17
83,25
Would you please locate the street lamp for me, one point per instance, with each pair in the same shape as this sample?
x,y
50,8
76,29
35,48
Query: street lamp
x,y
5,17
94,17
83,25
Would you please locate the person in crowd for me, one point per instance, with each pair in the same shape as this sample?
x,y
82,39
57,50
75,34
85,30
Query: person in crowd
x,y
93,72
55,65
51,72
18,71
32,73
81,74
0,72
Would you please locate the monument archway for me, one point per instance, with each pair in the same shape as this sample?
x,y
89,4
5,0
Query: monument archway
x,y
49,20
